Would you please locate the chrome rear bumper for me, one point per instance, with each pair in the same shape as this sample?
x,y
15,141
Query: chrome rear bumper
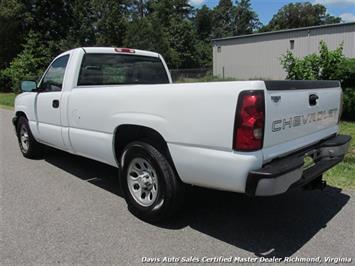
x,y
288,172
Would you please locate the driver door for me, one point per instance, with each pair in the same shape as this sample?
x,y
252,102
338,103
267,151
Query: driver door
x,y
48,103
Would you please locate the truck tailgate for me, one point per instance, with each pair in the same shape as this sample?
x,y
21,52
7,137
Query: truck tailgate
x,y
299,113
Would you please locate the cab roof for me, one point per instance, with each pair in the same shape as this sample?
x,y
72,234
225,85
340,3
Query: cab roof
x,y
115,50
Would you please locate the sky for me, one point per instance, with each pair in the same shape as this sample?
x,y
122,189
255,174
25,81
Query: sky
x,y
267,8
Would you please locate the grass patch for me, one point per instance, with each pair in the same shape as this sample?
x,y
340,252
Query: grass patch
x,y
343,174
7,100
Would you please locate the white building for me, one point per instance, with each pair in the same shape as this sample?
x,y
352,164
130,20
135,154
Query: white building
x,y
257,56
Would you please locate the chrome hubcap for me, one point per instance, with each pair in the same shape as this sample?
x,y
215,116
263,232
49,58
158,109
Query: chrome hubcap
x,y
142,182
24,138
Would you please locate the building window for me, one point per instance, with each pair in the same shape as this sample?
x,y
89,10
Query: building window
x,y
292,44
219,48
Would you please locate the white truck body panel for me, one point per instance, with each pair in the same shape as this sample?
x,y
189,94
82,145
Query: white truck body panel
x,y
196,120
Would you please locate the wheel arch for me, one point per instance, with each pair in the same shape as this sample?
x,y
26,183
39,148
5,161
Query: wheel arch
x,y
127,133
18,114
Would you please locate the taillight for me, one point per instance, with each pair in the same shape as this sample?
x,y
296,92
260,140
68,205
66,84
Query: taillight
x,y
249,121
125,50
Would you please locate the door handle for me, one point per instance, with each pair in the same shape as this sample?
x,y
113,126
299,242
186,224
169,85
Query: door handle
x,y
55,103
313,98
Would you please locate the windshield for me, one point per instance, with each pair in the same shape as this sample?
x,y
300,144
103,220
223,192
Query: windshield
x,y
117,69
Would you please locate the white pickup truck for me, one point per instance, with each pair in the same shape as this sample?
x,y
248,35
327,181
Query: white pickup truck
x,y
119,106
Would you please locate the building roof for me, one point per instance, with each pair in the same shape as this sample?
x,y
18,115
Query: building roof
x,y
283,31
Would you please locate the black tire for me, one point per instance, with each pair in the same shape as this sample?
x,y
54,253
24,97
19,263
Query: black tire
x,y
34,149
170,192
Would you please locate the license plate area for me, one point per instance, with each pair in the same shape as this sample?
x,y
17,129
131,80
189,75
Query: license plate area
x,y
309,159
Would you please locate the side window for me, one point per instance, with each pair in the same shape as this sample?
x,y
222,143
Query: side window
x,y
53,79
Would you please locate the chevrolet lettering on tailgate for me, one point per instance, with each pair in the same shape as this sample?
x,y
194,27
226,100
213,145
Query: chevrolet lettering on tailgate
x,y
300,120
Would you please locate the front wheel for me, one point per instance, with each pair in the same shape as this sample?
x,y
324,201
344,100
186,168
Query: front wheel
x,y
152,189
29,147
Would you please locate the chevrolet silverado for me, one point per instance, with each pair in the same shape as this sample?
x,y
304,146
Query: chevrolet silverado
x,y
119,106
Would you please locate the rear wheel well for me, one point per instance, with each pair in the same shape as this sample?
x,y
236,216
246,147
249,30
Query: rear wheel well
x,y
126,134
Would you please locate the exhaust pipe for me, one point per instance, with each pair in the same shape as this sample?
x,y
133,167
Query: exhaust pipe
x,y
317,183
320,185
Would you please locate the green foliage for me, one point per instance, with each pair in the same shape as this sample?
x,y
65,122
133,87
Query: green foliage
x,y
32,32
110,21
296,68
12,20
7,99
174,38
5,82
148,34
331,62
182,41
296,15
167,10
231,20
203,53
349,103
139,8
326,65
346,72
223,19
204,23
81,31
342,175
29,64
246,20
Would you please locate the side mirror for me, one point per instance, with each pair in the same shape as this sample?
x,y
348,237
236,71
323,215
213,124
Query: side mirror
x,y
28,86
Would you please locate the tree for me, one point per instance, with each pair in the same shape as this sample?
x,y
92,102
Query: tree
x,y
148,34
204,23
223,19
203,54
324,66
13,18
246,20
110,21
47,27
330,62
167,29
168,10
296,15
30,63
182,8
182,42
140,8
81,31
50,19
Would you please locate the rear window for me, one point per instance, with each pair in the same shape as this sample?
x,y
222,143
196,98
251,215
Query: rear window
x,y
117,69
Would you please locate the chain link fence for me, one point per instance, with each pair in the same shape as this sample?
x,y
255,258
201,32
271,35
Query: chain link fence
x,y
189,73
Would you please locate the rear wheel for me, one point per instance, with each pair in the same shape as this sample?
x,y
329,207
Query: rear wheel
x,y
29,147
152,189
